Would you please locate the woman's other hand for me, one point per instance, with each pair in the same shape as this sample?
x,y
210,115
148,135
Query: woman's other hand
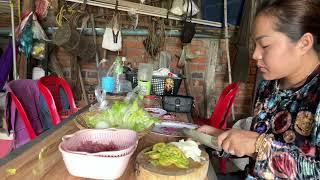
x,y
238,142
210,130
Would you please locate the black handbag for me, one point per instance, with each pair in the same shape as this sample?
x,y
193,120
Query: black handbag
x,y
180,104
189,28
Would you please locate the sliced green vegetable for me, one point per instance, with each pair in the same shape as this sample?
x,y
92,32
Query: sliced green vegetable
x,y
166,155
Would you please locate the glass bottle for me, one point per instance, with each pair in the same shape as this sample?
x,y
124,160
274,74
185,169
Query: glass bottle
x,y
118,74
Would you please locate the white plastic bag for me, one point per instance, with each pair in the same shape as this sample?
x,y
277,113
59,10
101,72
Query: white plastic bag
x,y
112,40
194,7
177,7
38,32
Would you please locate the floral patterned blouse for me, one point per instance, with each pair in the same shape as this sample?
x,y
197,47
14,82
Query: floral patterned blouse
x,y
291,120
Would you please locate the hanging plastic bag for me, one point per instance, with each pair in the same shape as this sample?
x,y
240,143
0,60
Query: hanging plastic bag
x,y
133,18
38,32
188,32
165,58
22,24
189,28
38,50
112,39
25,35
190,11
41,9
177,7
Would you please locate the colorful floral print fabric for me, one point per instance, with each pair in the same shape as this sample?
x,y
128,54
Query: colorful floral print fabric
x,y
291,118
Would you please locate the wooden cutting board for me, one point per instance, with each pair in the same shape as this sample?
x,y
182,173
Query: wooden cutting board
x,y
146,171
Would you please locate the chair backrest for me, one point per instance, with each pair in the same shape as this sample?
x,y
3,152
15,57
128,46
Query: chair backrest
x,y
18,123
49,103
24,110
221,112
26,92
25,123
57,86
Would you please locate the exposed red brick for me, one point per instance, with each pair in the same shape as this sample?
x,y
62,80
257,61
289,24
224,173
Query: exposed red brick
x,y
88,66
193,67
202,67
132,44
200,60
135,52
91,74
173,65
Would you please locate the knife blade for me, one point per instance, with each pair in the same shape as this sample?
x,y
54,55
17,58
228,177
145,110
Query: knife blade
x,y
210,141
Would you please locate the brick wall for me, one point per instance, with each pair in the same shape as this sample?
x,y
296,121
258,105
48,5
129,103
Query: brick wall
x,y
134,50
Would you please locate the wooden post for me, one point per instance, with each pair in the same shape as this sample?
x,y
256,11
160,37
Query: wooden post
x,y
27,5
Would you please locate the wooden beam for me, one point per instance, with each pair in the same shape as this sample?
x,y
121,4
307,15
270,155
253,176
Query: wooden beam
x,y
143,9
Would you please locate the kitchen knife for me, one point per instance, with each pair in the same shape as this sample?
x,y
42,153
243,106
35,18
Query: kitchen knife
x,y
210,141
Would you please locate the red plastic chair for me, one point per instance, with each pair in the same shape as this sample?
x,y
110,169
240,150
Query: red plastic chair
x,y
17,116
55,118
24,116
54,83
221,113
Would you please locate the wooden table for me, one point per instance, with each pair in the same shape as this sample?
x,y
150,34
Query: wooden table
x,y
44,161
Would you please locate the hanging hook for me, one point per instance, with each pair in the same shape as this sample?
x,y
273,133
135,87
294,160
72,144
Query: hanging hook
x,y
116,7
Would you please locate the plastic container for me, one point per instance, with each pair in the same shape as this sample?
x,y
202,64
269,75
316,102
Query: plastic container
x,y
117,71
157,83
124,140
37,73
101,166
95,167
144,78
106,79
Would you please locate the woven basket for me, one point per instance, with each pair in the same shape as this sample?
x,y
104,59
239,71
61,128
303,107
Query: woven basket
x,y
80,122
67,37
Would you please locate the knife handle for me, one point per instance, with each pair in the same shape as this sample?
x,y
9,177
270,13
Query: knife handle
x,y
223,154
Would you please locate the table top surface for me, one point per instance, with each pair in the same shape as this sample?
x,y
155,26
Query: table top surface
x,y
44,161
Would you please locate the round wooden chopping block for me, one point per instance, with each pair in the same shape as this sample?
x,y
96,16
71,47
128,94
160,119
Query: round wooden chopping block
x,y
146,171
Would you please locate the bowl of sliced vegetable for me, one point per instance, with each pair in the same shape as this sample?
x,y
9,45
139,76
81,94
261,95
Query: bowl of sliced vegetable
x,y
100,142
120,115
98,153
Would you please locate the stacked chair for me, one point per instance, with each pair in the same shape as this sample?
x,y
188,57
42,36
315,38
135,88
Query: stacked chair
x,y
62,95
32,107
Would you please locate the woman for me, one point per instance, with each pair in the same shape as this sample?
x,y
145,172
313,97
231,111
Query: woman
x,y
284,139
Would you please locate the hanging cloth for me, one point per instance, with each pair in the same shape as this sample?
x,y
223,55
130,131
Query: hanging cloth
x,y
112,38
240,67
6,61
